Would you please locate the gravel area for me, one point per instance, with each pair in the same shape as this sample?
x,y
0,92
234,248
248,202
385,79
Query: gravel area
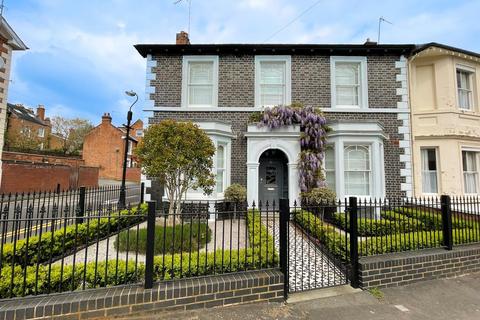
x,y
228,233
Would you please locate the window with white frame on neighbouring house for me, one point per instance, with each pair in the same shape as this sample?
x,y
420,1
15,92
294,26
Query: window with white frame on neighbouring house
x,y
220,176
429,170
330,168
41,132
200,81
357,170
139,133
465,88
272,81
130,147
349,82
470,171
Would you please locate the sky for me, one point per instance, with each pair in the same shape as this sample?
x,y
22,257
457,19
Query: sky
x,y
81,57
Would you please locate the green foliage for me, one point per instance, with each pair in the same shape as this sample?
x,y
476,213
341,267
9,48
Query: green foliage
x,y
183,237
72,133
377,293
39,249
57,278
255,117
319,196
335,242
433,219
179,155
236,193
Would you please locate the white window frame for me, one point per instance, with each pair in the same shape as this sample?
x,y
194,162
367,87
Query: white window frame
x,y
185,76
41,132
477,162
363,77
288,77
139,132
224,169
331,148
369,171
471,71
437,162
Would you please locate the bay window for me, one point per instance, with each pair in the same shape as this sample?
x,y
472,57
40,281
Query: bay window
x,y
465,88
470,171
429,170
357,170
330,168
220,176
200,81
349,82
272,81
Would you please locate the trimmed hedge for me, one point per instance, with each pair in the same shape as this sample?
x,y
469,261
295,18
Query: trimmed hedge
x,y
176,239
433,220
336,243
48,279
67,239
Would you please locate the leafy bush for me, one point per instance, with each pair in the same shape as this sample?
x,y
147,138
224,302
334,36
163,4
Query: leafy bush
x,y
432,219
50,245
319,196
335,242
236,193
186,237
259,239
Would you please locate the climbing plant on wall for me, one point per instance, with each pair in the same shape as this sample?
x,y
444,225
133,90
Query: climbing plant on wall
x,y
314,128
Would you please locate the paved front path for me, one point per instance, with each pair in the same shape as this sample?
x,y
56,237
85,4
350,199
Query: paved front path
x,y
430,300
309,268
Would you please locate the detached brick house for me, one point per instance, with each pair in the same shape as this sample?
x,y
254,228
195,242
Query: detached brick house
x,y
104,147
23,123
362,90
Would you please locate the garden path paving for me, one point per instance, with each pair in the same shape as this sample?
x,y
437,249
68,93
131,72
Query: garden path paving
x,y
309,267
106,248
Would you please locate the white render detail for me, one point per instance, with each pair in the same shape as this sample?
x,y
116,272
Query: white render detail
x,y
259,140
405,128
149,103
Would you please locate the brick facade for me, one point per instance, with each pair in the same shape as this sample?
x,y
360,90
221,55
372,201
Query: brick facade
x,y
399,269
104,147
310,84
187,294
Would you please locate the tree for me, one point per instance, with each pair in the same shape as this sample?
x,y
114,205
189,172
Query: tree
x,y
180,156
24,139
72,132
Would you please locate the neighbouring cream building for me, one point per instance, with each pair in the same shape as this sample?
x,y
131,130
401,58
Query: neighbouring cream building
x,y
444,96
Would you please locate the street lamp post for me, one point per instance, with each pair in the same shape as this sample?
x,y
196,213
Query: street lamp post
x,y
122,200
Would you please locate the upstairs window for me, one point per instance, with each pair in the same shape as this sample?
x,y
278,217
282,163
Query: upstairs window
x,y
273,83
465,88
41,132
349,82
429,170
200,81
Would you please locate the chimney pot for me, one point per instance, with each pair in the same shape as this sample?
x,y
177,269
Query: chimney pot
x,y
370,42
106,118
182,38
41,112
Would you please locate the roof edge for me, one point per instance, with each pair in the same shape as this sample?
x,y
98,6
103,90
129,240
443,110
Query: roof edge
x,y
425,46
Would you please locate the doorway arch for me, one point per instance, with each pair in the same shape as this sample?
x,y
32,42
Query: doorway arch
x,y
272,177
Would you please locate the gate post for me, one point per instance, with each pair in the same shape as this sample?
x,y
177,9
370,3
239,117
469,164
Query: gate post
x,y
81,206
284,217
150,245
445,202
353,216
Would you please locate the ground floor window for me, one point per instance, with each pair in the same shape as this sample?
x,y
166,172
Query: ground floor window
x,y
357,170
330,167
429,170
220,176
470,171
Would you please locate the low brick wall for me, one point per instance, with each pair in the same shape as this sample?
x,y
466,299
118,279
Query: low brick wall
x,y
186,294
399,269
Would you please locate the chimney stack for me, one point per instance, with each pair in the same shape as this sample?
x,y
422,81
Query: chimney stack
x,y
182,38
106,118
370,42
41,112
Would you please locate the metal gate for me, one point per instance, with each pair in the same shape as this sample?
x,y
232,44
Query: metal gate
x,y
316,250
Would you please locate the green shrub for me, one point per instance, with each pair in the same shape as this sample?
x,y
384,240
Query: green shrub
x,y
67,239
319,196
335,242
236,193
260,241
432,220
168,239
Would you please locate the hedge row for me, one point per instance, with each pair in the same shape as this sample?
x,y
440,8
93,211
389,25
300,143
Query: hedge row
x,y
62,242
41,279
432,219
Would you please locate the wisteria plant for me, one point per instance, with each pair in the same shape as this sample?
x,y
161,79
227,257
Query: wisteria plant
x,y
314,129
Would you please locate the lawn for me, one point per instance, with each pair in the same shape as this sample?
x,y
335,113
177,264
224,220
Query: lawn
x,y
169,239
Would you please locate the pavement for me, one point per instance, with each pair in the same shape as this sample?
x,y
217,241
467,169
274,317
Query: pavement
x,y
450,299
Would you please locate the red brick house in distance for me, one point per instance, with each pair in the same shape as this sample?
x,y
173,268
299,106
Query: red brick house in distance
x,y
104,147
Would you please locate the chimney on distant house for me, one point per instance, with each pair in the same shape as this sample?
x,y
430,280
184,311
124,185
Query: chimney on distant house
x,y
41,112
182,38
106,118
